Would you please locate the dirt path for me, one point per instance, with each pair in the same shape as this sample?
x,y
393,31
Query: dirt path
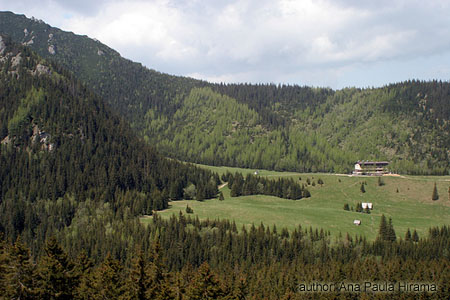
x,y
223,185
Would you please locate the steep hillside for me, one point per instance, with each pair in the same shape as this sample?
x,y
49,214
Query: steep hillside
x,y
128,86
278,127
65,157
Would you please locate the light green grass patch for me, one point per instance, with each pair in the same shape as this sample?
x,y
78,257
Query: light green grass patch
x,y
411,207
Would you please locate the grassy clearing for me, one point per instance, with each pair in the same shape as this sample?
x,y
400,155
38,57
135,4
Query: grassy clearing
x,y
410,207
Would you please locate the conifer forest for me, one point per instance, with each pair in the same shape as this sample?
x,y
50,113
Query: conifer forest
x,y
91,143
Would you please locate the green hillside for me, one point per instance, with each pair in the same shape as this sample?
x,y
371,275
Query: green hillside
x,y
71,167
260,126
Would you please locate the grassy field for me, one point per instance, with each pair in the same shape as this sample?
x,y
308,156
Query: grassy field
x,y
410,207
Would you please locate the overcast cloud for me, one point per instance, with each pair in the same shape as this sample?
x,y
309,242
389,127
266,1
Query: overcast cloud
x,y
321,43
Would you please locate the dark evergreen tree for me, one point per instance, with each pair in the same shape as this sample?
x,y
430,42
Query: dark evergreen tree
x,y
415,236
18,275
137,282
56,273
205,285
435,195
84,273
408,235
383,231
109,282
391,236
320,181
362,189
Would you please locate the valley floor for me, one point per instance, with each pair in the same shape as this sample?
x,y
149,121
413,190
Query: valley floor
x,y
407,199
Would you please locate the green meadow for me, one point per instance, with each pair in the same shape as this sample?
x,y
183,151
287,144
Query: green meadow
x,y
406,199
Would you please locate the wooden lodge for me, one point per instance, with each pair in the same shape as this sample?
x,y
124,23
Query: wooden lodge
x,y
376,168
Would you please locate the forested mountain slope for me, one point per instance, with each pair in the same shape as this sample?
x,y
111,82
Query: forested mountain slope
x,y
65,156
277,127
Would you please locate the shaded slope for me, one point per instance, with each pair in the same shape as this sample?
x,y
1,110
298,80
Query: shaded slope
x,y
62,146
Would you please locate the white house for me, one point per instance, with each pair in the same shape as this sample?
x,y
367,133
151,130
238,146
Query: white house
x,y
367,205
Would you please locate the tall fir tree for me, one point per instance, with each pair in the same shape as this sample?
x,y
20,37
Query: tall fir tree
x,y
362,188
56,273
138,281
205,285
109,280
19,278
435,195
84,272
415,236
383,229
408,235
391,236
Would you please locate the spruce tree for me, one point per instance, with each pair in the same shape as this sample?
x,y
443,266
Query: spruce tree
x,y
19,275
320,181
240,289
383,229
138,280
435,195
362,189
159,283
415,236
84,274
205,285
408,235
56,273
391,232
109,280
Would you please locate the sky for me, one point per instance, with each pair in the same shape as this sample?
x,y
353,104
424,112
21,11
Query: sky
x,y
322,43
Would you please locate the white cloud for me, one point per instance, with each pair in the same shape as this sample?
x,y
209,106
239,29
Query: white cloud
x,y
296,41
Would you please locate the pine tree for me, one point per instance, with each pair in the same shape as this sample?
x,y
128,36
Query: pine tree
x,y
346,207
383,230
391,232
435,195
205,285
240,289
362,189
159,284
19,276
84,273
56,273
415,236
108,280
320,181
236,188
408,235
138,281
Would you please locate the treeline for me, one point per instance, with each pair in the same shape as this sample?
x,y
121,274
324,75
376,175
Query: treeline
x,y
252,185
190,259
275,103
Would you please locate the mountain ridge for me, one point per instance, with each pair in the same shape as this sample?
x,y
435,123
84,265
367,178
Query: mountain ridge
x,y
300,128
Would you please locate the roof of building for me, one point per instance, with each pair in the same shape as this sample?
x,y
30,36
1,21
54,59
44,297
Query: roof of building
x,y
372,162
